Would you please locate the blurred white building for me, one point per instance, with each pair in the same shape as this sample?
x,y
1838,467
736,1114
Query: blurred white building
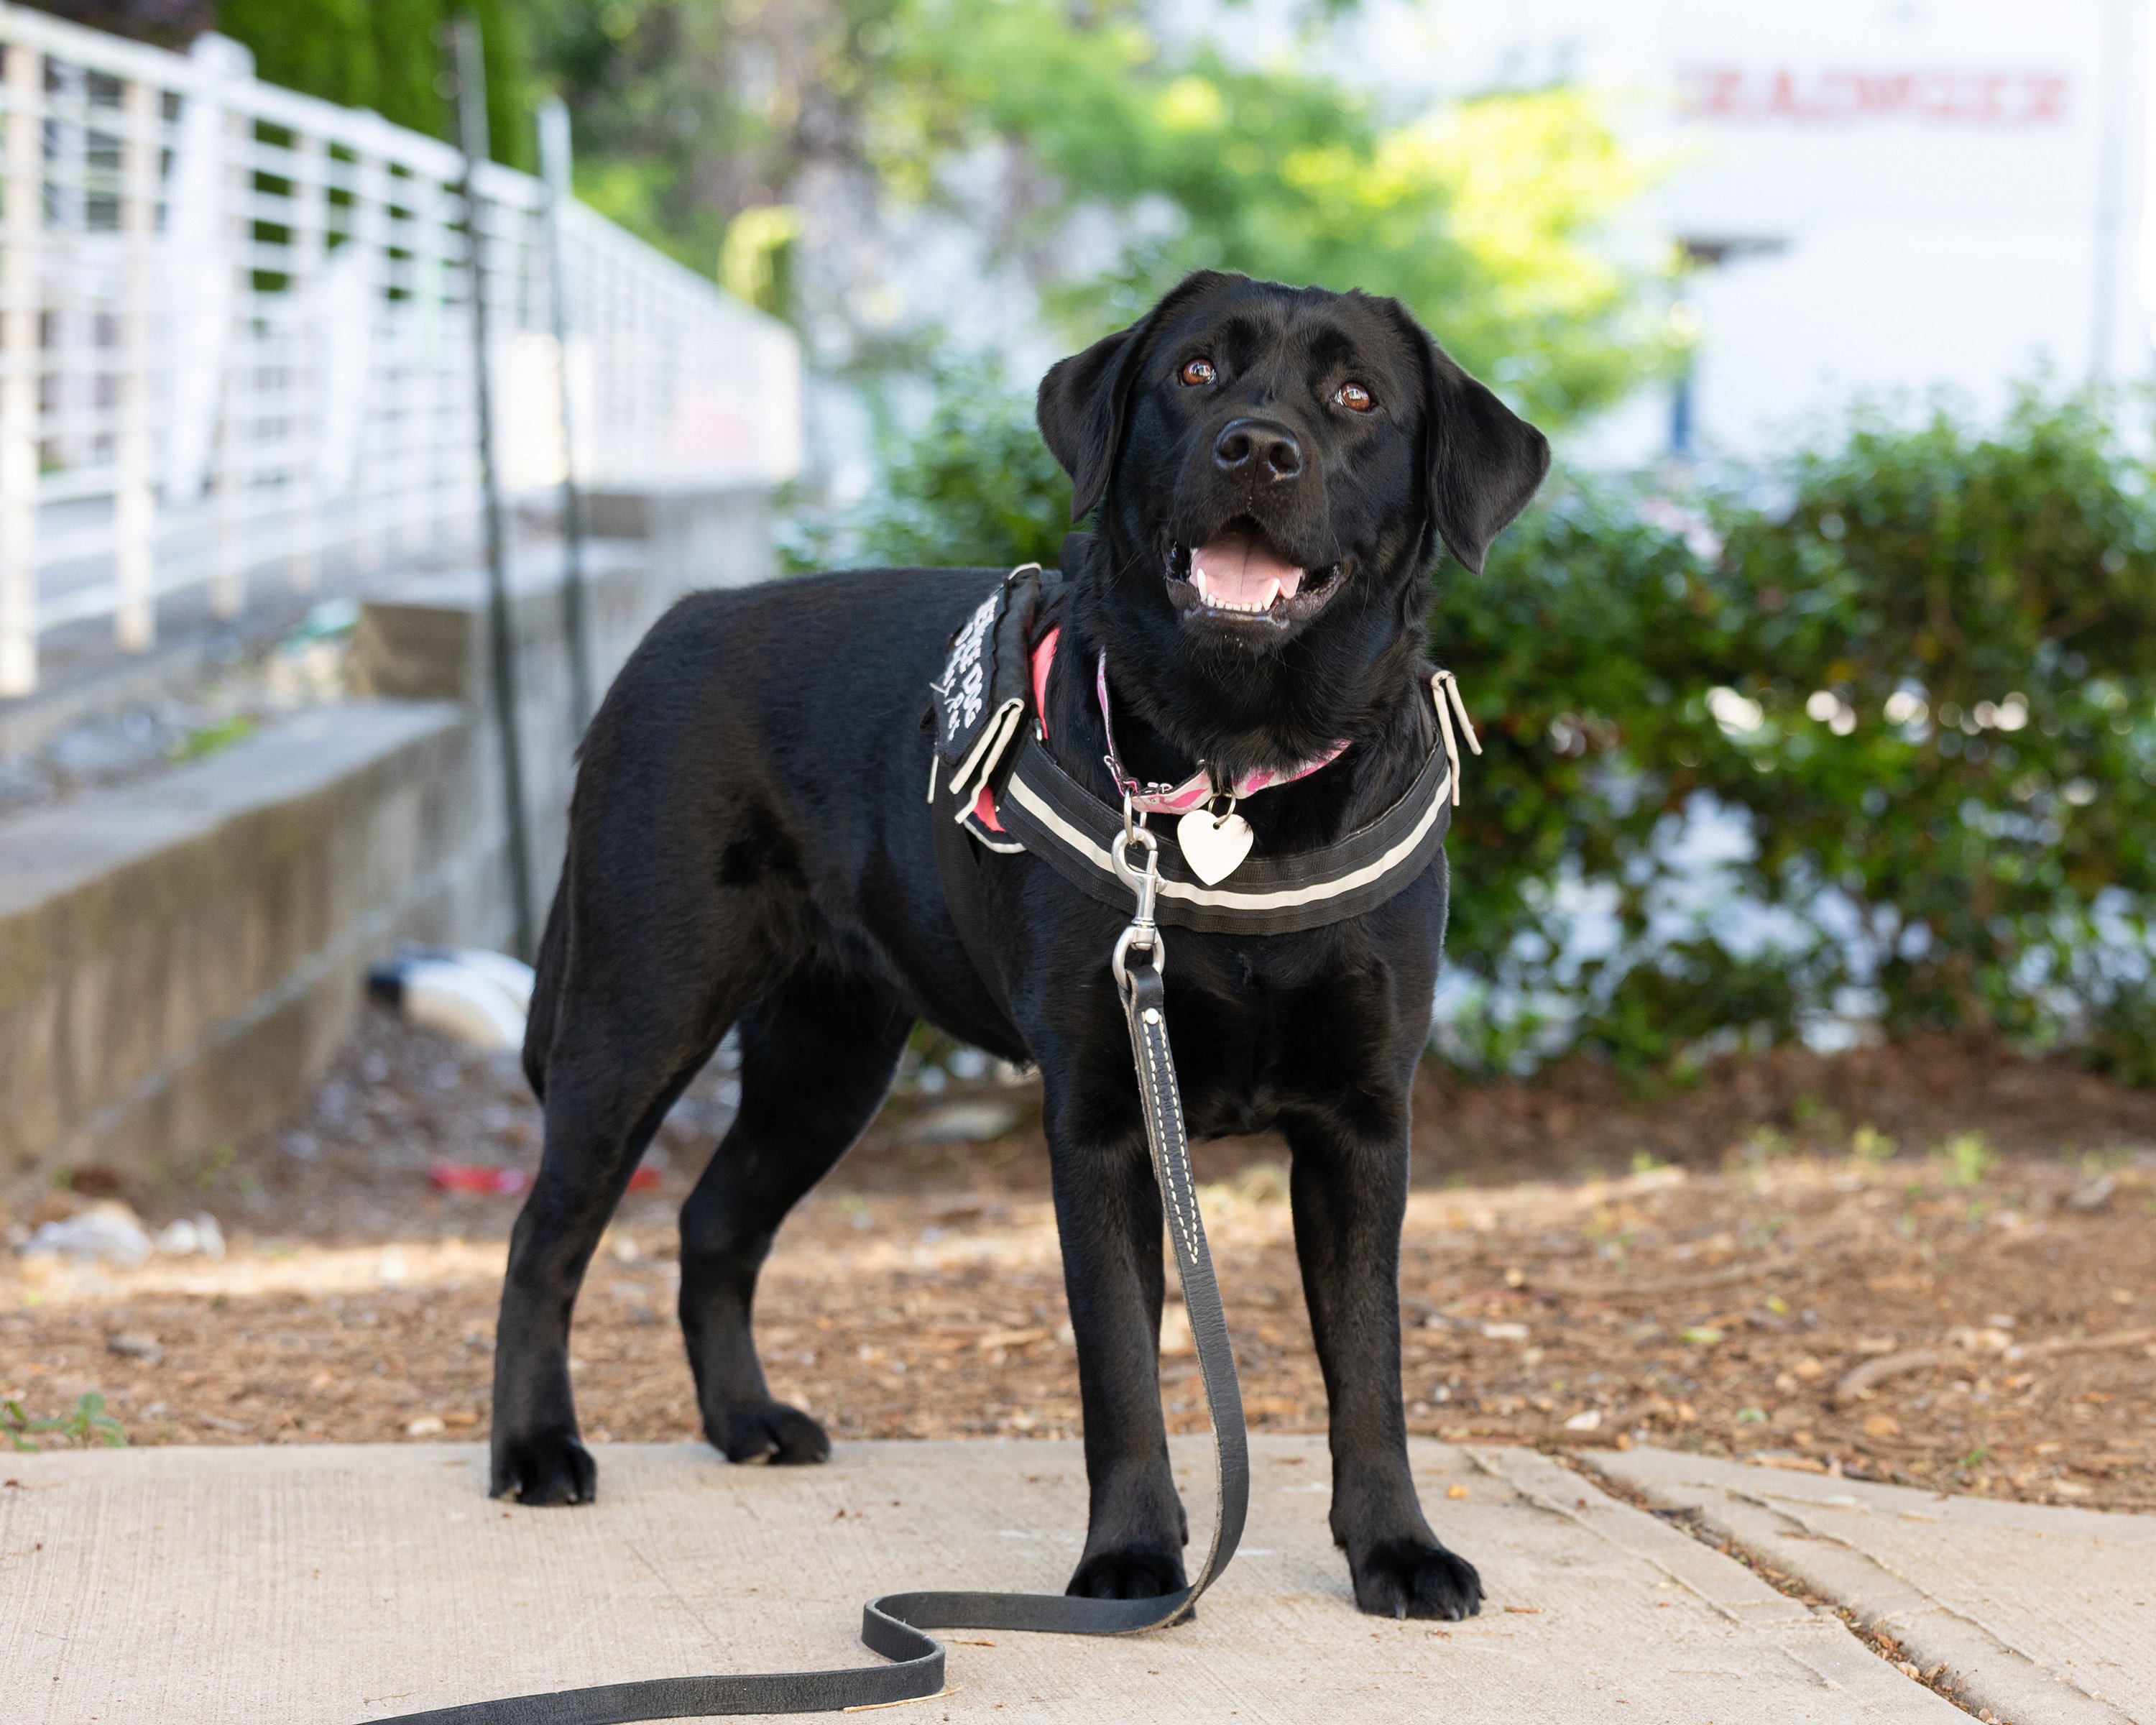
x,y
1879,194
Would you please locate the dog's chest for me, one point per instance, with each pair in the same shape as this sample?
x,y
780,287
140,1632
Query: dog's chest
x,y
1251,1044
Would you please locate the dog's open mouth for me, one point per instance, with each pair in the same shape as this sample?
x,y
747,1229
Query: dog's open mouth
x,y
1239,575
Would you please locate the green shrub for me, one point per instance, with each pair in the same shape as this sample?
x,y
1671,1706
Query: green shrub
x,y
327,49
1924,683
383,54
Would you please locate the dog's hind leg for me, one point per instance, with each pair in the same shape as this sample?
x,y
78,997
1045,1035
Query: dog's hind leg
x,y
633,1032
817,1058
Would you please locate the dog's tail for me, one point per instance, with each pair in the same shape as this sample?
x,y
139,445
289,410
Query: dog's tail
x,y
547,988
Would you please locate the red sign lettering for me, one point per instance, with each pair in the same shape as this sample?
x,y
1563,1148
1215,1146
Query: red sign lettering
x,y
1836,96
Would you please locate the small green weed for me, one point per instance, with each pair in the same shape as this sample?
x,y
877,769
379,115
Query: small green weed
x,y
1871,1145
1766,1145
1968,1158
210,739
87,1425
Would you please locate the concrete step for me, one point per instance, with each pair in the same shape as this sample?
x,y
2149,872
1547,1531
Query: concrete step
x,y
2045,1616
181,954
326,1586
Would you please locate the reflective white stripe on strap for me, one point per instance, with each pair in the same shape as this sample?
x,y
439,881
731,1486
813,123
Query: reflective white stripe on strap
x,y
972,773
1230,898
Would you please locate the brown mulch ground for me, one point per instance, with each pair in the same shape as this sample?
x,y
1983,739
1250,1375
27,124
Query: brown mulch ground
x,y
1766,1241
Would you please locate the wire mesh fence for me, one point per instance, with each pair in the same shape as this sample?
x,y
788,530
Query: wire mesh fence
x,y
235,342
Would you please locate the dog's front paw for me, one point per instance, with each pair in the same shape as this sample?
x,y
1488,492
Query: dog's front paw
x,y
789,1436
1131,1574
1406,1578
548,1467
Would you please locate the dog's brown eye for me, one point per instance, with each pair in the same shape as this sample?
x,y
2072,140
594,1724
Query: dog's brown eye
x,y
1198,370
1355,398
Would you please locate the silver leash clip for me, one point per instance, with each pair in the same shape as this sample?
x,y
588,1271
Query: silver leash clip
x,y
1143,880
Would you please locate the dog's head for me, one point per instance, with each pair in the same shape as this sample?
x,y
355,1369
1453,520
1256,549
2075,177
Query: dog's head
x,y
1273,465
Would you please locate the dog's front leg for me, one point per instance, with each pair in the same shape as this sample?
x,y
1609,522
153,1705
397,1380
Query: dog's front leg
x,y
1349,1191
1108,1211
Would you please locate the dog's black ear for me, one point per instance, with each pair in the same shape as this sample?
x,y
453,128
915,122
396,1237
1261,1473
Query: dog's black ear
x,y
1084,398
1481,461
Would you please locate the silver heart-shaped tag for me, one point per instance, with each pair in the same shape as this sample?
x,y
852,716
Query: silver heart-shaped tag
x,y
1214,849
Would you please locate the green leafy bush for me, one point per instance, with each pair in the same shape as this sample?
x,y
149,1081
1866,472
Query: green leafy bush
x,y
1923,684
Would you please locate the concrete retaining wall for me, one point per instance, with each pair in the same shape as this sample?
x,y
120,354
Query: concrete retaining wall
x,y
180,959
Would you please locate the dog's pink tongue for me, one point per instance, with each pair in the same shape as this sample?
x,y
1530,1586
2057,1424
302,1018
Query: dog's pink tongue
x,y
1241,569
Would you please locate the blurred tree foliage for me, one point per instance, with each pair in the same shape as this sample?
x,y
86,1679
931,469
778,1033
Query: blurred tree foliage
x,y
693,117
1478,215
383,54
689,113
930,509
1925,685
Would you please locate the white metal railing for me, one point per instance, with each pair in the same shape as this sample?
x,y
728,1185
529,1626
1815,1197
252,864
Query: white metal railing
x,y
235,341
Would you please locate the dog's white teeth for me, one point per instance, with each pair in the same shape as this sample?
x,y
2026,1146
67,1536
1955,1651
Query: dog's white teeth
x,y
1220,602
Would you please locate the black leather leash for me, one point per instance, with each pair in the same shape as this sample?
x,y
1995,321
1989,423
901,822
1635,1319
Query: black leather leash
x,y
897,1625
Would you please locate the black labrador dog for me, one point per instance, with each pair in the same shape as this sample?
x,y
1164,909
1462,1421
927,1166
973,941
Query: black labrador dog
x,y
1275,470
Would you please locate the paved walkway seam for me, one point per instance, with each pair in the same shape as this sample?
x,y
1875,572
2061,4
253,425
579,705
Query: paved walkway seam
x,y
2039,1615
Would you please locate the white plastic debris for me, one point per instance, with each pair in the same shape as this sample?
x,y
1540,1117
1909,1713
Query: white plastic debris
x,y
107,1233
512,976
196,1237
475,997
966,1122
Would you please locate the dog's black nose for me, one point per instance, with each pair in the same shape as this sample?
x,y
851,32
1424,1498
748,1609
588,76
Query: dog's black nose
x,y
1264,446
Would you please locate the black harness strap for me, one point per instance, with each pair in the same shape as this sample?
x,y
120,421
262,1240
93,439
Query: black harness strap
x,y
990,764
958,862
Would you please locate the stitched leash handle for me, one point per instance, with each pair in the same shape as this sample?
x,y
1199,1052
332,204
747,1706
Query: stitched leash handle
x,y
897,1625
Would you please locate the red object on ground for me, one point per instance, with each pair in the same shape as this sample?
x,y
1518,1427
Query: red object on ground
x,y
468,1176
505,1182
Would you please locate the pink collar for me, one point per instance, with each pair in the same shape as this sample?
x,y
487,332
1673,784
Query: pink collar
x,y
1152,798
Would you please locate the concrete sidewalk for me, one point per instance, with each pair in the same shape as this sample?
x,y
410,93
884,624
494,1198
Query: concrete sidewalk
x,y
327,1586
2039,1614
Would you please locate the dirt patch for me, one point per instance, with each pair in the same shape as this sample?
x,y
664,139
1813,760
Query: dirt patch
x,y
1580,1118
2008,1289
